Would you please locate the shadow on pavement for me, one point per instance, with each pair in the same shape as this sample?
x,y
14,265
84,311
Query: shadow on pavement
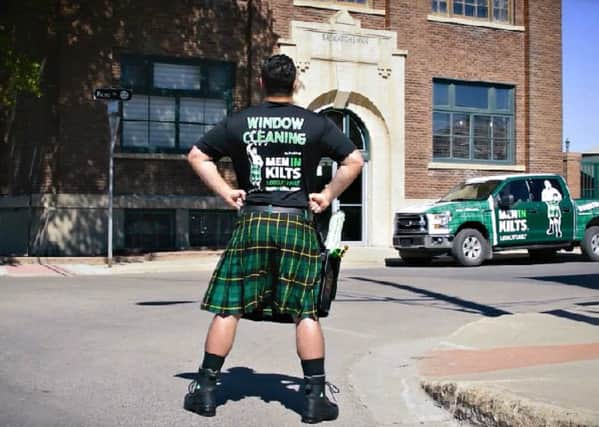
x,y
467,306
240,382
498,259
590,281
154,303
9,261
574,316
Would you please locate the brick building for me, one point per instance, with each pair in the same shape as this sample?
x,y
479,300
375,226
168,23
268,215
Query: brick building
x,y
432,92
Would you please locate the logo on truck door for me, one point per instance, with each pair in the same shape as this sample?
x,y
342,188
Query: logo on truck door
x,y
552,197
513,225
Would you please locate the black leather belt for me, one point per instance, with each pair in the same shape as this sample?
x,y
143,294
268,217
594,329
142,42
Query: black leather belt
x,y
307,214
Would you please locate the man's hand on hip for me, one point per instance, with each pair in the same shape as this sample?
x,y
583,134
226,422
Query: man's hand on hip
x,y
319,202
235,198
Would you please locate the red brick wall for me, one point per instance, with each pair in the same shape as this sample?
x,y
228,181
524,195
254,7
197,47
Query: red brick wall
x,y
91,37
571,172
450,51
465,52
545,86
71,134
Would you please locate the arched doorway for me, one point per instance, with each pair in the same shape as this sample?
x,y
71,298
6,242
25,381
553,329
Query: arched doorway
x,y
352,201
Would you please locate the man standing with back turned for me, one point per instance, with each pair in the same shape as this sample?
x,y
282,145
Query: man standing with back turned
x,y
270,269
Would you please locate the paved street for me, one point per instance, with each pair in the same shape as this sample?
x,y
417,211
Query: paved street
x,y
120,350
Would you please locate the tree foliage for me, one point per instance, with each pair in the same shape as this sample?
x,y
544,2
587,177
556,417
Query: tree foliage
x,y
24,24
20,72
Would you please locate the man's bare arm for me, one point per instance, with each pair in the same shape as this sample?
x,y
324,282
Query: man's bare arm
x,y
347,171
206,169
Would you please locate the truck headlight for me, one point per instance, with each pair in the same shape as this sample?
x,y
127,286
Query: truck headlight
x,y
439,222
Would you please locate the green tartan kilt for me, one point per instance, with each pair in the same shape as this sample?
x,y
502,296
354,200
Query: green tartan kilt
x,y
269,270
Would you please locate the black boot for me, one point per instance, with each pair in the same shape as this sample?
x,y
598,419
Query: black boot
x,y
201,396
318,406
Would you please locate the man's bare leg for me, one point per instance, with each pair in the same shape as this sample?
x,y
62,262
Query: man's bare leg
x,y
221,335
310,349
219,341
309,339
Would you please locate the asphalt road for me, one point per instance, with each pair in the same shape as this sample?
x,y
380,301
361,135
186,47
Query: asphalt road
x,y
120,351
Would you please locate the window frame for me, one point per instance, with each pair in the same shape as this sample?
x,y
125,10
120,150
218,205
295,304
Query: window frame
x,y
148,89
451,108
491,12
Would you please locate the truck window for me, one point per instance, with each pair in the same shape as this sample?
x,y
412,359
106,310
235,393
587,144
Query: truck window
x,y
471,191
540,185
518,189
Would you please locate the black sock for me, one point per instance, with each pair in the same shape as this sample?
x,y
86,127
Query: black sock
x,y
212,361
313,367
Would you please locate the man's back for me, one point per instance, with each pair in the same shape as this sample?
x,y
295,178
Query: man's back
x,y
275,149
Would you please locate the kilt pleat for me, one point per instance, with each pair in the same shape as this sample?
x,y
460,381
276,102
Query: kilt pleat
x,y
269,269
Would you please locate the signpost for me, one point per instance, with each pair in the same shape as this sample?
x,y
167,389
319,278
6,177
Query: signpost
x,y
113,98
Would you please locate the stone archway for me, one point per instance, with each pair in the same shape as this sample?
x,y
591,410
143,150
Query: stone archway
x,y
344,66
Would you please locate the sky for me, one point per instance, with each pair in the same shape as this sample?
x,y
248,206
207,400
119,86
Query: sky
x,y
580,50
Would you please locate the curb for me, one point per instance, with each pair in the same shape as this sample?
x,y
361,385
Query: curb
x,y
485,406
118,259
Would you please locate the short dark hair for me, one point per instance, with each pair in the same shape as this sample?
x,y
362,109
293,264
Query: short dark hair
x,y
278,75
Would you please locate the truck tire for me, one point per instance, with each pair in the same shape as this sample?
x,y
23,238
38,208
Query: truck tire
x,y
590,243
412,257
470,248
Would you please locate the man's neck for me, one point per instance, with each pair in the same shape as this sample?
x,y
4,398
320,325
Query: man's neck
x,y
279,99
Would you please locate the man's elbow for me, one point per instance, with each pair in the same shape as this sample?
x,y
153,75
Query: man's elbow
x,y
356,159
195,155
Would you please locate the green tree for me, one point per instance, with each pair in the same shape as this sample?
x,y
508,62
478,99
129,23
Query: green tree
x,y
21,62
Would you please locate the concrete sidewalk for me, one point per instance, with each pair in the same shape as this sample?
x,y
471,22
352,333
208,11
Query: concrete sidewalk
x,y
160,262
517,370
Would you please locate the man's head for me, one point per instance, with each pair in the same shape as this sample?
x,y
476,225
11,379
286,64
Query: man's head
x,y
278,75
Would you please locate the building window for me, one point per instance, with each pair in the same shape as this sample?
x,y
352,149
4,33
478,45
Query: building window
x,y
589,177
473,122
211,228
174,102
149,229
489,10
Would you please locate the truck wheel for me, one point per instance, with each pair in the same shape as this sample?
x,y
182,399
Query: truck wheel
x,y
470,248
590,243
415,257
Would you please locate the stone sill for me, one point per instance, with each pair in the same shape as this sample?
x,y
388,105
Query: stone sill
x,y
150,156
475,23
476,166
158,156
100,201
349,8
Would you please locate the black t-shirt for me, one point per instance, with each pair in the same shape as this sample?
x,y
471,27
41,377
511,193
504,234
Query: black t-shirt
x,y
275,149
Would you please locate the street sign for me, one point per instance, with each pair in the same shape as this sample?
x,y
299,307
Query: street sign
x,y
112,94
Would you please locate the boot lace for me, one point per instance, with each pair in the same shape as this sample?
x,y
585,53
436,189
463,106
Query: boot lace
x,y
193,386
333,390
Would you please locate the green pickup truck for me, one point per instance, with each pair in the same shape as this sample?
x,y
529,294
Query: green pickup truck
x,y
485,215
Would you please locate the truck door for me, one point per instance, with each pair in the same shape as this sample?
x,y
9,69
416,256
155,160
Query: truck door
x,y
512,209
554,220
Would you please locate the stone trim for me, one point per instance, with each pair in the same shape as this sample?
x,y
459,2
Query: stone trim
x,y
475,23
350,8
150,156
476,166
100,201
